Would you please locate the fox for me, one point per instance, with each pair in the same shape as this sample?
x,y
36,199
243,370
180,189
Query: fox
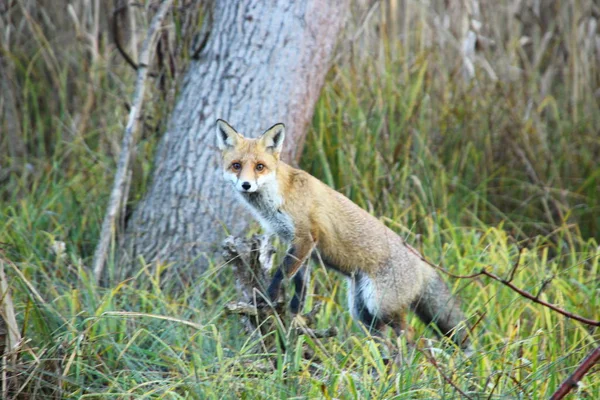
x,y
386,277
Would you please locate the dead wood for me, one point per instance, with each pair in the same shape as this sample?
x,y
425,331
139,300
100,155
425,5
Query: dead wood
x,y
118,194
251,260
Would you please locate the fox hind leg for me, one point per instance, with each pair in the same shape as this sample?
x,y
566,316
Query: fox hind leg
x,y
359,300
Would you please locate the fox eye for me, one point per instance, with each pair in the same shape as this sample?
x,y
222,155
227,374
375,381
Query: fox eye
x,y
236,166
260,167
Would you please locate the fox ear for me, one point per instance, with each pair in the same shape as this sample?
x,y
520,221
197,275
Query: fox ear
x,y
273,137
226,135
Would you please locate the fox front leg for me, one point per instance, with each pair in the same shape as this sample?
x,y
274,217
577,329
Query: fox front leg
x,y
299,290
292,266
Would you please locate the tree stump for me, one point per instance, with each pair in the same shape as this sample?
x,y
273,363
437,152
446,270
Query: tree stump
x,y
251,260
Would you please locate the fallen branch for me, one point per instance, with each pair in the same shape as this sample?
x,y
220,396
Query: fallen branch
x,y
572,381
127,146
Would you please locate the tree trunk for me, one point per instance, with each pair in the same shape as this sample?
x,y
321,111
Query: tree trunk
x,y
264,62
9,115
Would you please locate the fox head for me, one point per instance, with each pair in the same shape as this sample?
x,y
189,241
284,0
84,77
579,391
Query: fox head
x,y
250,164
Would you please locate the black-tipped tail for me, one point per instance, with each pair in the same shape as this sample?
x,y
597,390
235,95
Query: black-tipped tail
x,y
437,305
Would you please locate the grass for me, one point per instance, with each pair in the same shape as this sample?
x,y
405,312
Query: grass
x,y
143,340
469,171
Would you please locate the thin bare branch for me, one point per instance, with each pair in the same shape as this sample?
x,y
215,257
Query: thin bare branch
x,y
240,307
200,44
572,381
117,36
508,283
514,268
533,298
332,331
116,196
10,335
446,378
7,312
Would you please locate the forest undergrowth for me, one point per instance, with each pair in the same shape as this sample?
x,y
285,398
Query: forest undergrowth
x,y
480,161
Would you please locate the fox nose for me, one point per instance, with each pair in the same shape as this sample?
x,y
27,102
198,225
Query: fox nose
x,y
246,185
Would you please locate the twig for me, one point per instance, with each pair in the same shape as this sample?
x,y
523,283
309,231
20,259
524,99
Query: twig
x,y
545,283
199,44
446,378
508,283
495,386
117,38
127,146
472,328
572,381
533,298
7,314
514,268
10,336
318,333
240,307
34,292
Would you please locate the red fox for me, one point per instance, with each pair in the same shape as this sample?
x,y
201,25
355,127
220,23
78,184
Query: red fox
x,y
385,276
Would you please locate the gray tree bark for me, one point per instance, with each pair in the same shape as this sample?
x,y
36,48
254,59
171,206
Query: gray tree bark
x,y
264,62
9,115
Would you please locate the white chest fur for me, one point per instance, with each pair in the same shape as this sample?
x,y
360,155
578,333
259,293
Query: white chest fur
x,y
265,205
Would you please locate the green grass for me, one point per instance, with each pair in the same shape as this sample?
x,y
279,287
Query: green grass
x,y
404,136
145,340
